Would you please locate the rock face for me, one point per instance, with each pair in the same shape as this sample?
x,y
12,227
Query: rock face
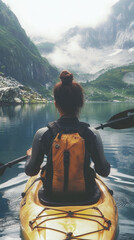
x,y
10,95
12,92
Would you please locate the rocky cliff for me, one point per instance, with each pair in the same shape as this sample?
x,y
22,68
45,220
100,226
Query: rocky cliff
x,y
12,92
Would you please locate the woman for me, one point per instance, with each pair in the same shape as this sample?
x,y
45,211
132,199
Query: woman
x,y
75,175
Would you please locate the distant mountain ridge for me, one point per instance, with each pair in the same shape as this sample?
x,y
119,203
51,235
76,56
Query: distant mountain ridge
x,y
114,85
19,57
118,30
93,50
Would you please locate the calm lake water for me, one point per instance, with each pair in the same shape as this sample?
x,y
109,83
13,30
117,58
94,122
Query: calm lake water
x,y
18,125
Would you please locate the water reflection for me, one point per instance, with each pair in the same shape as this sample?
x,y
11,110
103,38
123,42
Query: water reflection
x,y
19,124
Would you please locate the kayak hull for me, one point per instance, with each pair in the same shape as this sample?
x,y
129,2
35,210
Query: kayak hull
x,y
98,221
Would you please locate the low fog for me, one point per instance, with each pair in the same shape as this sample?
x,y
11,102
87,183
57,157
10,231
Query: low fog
x,y
91,60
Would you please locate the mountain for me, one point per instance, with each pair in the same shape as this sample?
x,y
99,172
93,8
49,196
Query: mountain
x,y
114,85
116,31
19,57
94,50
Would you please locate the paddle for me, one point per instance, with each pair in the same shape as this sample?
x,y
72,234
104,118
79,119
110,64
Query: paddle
x,y
121,120
10,164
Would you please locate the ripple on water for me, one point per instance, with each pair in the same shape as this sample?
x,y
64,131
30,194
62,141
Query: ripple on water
x,y
123,185
126,236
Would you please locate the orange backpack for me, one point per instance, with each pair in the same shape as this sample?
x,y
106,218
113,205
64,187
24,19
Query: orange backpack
x,y
65,172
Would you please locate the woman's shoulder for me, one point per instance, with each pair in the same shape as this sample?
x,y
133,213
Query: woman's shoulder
x,y
41,134
41,131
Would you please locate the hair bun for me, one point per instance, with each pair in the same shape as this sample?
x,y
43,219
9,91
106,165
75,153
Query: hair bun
x,y
66,77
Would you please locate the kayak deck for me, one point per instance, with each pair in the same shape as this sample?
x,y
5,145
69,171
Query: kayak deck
x,y
92,214
96,221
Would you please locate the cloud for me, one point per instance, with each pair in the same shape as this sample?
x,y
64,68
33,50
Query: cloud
x,y
51,18
90,60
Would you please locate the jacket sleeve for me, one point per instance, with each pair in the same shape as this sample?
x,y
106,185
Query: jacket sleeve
x,y
32,166
101,165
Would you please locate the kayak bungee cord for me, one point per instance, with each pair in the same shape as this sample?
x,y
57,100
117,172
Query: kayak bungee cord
x,y
73,214
24,193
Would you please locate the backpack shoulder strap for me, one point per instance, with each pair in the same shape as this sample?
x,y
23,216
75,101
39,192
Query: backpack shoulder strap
x,y
82,129
84,125
54,128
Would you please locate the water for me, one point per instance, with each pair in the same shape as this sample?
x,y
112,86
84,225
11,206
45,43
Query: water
x,y
18,124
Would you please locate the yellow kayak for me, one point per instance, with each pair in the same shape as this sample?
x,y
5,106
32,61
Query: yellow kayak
x,y
98,221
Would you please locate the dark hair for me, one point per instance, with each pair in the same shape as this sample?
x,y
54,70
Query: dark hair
x,y
68,94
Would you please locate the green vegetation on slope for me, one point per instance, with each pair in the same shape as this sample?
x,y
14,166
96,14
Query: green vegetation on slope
x,y
110,86
46,47
19,57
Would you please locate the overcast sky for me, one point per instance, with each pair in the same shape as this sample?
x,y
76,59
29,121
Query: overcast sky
x,y
50,18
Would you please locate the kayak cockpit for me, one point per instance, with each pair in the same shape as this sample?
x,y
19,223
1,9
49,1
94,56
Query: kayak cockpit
x,y
77,199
